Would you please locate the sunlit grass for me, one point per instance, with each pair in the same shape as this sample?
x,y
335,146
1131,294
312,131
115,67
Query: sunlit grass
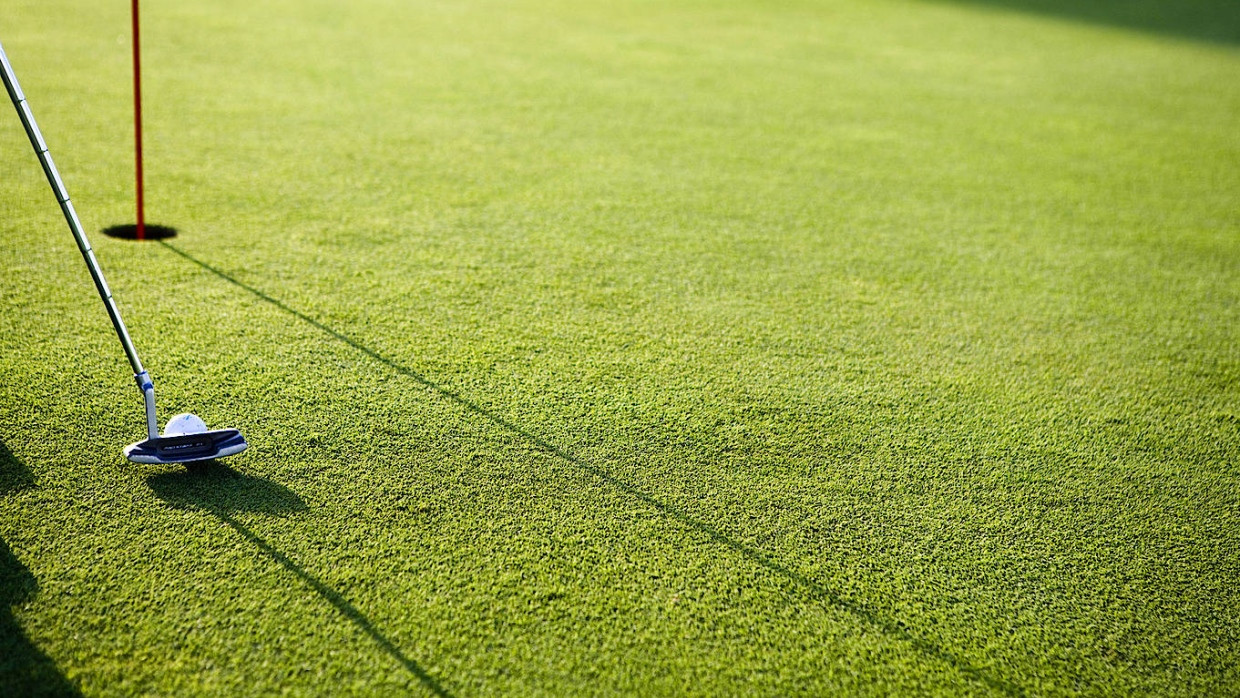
x,y
784,348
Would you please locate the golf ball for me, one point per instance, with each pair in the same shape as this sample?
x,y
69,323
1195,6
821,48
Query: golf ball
x,y
184,424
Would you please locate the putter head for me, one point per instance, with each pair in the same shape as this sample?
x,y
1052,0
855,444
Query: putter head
x,y
187,448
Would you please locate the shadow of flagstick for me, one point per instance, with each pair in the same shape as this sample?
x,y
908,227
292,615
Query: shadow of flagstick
x,y
815,589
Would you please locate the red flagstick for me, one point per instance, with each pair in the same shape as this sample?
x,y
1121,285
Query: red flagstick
x,y
137,119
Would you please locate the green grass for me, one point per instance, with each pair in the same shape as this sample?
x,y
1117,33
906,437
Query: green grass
x,y
750,347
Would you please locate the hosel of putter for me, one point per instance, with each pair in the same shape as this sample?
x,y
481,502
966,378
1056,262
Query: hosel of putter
x,y
148,396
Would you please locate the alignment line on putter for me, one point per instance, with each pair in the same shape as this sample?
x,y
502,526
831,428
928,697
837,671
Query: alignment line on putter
x,y
186,438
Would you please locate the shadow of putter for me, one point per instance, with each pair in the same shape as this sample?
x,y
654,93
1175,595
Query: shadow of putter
x,y
216,489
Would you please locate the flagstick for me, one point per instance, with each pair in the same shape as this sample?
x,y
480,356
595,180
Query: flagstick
x,y
137,120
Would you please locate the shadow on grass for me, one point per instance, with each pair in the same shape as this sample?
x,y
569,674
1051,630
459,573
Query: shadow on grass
x,y
222,492
1216,21
214,487
14,475
24,670
875,621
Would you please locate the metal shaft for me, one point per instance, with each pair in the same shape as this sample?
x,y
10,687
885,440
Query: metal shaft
x,y
62,196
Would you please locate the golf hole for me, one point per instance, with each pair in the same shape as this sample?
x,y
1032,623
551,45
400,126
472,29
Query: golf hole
x,y
130,232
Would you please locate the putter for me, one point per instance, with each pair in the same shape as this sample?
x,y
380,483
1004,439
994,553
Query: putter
x,y
177,447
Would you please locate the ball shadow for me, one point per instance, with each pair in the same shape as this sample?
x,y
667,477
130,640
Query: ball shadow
x,y
130,232
216,488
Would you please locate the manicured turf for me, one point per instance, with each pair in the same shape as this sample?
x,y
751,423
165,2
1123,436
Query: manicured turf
x,y
677,347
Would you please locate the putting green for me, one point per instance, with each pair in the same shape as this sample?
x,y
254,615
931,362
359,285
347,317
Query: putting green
x,y
769,347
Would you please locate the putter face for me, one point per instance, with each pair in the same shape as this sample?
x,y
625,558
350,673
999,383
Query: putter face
x,y
187,448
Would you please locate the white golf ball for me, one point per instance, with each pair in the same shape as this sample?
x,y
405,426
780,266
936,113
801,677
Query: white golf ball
x,y
184,424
